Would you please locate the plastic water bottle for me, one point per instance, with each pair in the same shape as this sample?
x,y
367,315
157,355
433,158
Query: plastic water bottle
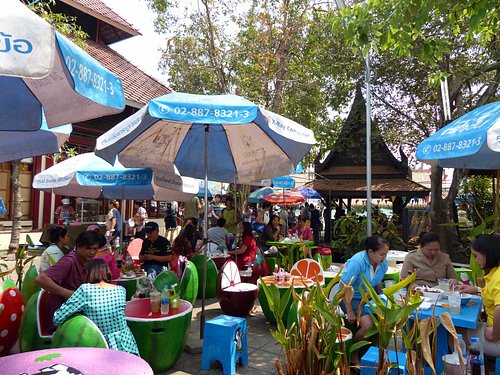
x,y
165,300
476,357
275,273
462,347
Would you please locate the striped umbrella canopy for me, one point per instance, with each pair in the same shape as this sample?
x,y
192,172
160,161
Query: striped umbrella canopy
x,y
289,197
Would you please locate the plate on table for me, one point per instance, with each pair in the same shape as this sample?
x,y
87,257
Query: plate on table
x,y
128,276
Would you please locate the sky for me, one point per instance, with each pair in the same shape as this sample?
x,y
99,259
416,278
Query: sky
x,y
140,50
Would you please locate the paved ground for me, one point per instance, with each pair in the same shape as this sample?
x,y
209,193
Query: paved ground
x,y
262,348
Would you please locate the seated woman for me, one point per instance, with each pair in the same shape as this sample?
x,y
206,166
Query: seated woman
x,y
372,264
245,254
183,243
59,240
271,232
429,262
486,250
104,304
303,232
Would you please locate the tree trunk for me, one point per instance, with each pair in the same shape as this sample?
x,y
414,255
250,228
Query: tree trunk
x,y
16,211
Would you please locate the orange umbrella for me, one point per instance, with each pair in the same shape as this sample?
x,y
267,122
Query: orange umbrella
x,y
284,198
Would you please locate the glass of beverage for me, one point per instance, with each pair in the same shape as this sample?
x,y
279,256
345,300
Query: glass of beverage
x,y
155,300
444,284
454,299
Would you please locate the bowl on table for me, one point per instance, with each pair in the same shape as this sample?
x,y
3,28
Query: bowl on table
x,y
431,294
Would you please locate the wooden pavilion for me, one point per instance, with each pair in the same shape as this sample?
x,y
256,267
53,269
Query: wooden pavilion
x,y
341,177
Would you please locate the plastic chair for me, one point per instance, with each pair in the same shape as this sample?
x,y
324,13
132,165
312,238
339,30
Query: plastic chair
x,y
29,287
235,298
134,249
211,285
165,278
34,332
213,248
79,331
189,283
308,268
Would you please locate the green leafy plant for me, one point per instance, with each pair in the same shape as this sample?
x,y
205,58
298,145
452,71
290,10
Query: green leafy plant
x,y
396,314
312,343
351,231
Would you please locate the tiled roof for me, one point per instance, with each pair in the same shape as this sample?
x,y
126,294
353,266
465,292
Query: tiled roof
x,y
137,85
356,188
101,11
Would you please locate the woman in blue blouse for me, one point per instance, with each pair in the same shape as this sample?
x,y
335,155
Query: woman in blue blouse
x,y
372,264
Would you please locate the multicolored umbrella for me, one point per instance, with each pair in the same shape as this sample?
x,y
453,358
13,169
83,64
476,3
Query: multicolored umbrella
x,y
289,197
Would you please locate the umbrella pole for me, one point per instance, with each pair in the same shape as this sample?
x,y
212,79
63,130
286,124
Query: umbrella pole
x,y
205,238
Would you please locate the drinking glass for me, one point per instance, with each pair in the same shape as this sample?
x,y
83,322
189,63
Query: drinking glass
x,y
155,300
444,284
454,299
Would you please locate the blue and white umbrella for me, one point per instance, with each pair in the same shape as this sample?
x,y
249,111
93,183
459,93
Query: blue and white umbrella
x,y
89,176
15,145
258,195
217,137
472,141
243,142
41,70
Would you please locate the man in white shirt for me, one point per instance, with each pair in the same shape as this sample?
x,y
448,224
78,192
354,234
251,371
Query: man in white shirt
x,y
219,234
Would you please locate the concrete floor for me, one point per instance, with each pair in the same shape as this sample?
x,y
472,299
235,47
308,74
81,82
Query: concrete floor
x,y
262,348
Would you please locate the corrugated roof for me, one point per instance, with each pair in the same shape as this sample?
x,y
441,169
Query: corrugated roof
x,y
138,86
101,11
356,188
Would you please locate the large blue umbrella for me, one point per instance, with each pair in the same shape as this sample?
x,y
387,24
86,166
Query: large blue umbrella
x,y
472,141
89,176
308,193
217,137
42,70
17,145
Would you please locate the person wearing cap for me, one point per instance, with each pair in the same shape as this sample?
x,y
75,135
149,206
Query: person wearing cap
x,y
64,213
156,250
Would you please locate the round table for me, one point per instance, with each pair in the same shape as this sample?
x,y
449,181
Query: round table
x,y
129,283
79,360
160,338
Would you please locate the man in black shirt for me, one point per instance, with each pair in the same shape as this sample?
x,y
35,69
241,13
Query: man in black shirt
x,y
156,251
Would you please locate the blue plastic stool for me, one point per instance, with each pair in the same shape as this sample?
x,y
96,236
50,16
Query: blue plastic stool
x,y
370,359
225,340
497,366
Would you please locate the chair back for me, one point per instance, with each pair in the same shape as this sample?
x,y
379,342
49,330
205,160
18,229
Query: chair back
x,y
165,278
189,283
134,248
308,268
229,275
44,321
